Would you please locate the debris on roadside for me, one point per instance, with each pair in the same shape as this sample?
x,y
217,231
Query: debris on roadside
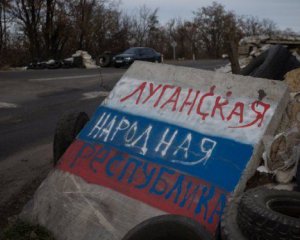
x,y
87,60
292,79
255,45
282,151
281,155
267,57
53,64
80,59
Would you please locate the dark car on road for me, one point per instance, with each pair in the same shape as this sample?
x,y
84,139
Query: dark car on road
x,y
136,53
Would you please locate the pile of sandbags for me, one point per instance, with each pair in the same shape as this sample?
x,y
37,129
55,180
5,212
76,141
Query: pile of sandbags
x,y
282,152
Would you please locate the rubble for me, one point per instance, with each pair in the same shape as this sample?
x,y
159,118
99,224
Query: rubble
x,y
275,39
292,79
252,47
282,154
87,60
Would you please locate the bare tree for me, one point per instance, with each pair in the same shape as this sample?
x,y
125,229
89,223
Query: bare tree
x,y
28,14
107,28
189,30
48,28
269,27
81,13
219,32
210,23
143,23
176,31
252,26
55,27
4,7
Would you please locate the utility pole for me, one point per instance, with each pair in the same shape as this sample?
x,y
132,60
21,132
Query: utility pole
x,y
174,45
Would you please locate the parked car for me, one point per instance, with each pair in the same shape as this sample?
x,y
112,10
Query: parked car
x,y
136,53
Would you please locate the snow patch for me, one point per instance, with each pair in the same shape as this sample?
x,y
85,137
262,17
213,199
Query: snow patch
x,y
7,105
95,94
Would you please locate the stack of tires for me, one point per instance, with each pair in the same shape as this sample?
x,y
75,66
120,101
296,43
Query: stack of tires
x,y
260,214
272,64
263,214
106,59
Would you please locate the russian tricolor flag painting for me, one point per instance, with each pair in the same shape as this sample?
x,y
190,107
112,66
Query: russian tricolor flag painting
x,y
178,148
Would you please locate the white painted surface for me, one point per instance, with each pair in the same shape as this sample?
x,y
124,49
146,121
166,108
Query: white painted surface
x,y
75,209
213,126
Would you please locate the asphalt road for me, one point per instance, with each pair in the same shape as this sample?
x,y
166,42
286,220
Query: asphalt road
x,y
31,102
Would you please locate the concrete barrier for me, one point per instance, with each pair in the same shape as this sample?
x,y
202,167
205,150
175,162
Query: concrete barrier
x,y
167,140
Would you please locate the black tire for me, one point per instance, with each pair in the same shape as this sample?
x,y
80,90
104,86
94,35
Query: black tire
x,y
254,63
274,65
298,178
78,62
67,129
270,214
229,226
106,60
168,227
291,64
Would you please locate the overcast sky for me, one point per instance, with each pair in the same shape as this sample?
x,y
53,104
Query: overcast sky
x,y
285,13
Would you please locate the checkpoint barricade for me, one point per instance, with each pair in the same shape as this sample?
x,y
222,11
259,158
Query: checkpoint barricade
x,y
166,140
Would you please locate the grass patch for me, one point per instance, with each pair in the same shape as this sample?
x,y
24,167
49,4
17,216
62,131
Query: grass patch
x,y
21,230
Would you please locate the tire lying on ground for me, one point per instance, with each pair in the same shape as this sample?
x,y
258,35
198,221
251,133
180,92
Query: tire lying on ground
x,y
291,64
254,64
272,64
298,178
105,60
269,214
67,129
168,227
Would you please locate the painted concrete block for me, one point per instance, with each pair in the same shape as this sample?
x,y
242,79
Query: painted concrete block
x,y
167,140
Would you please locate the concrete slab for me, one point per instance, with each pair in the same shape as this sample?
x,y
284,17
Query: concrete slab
x,y
166,140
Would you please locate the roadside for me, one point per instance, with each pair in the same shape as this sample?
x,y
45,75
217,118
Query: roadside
x,y
207,64
27,131
20,175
